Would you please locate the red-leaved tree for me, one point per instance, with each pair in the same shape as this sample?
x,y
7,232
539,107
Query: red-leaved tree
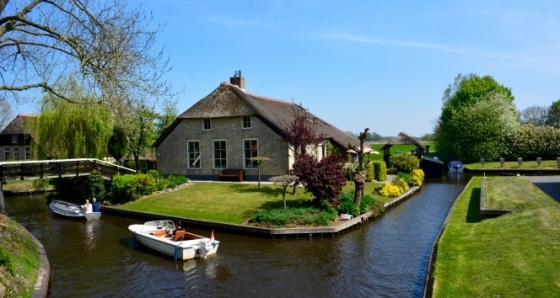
x,y
301,135
324,179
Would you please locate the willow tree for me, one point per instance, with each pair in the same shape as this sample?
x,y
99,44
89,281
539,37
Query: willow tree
x,y
69,130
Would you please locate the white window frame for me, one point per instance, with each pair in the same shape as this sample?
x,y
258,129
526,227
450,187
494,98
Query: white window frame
x,y
250,164
196,156
15,139
16,153
27,153
246,124
204,122
7,153
217,155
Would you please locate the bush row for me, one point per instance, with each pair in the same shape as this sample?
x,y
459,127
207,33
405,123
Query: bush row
x,y
128,187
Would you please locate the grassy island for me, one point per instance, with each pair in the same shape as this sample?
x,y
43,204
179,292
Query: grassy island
x,y
514,255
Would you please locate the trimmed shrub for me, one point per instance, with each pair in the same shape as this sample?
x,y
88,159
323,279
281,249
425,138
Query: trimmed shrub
x,y
96,187
379,170
370,175
153,173
404,162
126,188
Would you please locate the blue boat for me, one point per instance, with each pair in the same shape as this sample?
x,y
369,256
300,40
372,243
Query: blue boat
x,y
455,166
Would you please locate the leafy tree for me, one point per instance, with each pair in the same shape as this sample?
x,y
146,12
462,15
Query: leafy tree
x,y
465,92
118,143
284,181
530,141
105,46
141,132
553,118
71,130
324,179
536,115
484,127
166,118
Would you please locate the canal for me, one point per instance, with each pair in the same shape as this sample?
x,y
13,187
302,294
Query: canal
x,y
386,257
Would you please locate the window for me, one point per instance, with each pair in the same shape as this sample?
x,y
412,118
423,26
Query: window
x,y
14,139
27,153
206,125
220,154
250,150
246,122
6,153
16,153
194,154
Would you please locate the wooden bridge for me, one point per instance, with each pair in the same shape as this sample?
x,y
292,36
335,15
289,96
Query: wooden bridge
x,y
55,168
58,168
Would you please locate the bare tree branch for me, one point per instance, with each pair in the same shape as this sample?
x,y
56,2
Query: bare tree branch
x,y
105,46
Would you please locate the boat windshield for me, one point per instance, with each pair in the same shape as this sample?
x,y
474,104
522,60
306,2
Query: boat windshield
x,y
161,224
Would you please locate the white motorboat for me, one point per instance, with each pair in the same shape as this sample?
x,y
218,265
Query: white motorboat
x,y
70,210
182,245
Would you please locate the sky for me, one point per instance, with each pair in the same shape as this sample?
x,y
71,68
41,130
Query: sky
x,y
383,65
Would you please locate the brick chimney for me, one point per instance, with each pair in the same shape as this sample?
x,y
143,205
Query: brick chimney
x,y
238,80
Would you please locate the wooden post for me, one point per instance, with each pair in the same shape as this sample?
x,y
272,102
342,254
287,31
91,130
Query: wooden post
x,y
2,209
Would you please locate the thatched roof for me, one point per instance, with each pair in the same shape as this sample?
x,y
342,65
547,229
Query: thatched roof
x,y
229,100
402,139
16,126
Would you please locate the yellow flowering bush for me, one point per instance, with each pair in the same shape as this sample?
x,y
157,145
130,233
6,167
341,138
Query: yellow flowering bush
x,y
401,183
417,177
390,190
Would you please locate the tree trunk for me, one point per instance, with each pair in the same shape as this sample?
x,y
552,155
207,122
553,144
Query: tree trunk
x,y
360,184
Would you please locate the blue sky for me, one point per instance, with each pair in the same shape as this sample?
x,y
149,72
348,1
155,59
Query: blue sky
x,y
356,64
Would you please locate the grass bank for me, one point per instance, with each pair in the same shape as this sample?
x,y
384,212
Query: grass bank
x,y
509,165
514,255
18,274
227,202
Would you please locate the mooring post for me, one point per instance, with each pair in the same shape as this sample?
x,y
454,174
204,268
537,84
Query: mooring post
x,y
2,209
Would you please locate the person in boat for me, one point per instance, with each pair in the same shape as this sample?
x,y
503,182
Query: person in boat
x,y
95,205
178,227
88,208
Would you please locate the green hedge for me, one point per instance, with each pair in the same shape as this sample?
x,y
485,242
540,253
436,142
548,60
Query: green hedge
x,y
379,170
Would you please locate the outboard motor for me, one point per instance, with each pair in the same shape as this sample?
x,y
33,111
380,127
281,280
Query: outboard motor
x,y
205,247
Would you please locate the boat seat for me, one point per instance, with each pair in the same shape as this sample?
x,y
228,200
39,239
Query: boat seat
x,y
179,235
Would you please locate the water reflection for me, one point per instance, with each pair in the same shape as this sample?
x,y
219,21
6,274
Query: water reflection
x,y
385,257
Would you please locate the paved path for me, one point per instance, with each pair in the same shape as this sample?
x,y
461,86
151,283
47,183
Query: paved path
x,y
548,184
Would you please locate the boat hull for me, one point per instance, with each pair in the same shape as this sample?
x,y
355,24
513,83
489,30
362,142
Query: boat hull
x,y
153,237
69,210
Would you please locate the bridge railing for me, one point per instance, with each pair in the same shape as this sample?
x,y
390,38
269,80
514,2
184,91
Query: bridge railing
x,y
58,168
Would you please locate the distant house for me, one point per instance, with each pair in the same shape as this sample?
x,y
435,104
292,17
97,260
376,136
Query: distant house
x,y
228,127
15,141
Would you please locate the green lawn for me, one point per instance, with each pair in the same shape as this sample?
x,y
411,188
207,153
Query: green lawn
x,y
514,255
226,202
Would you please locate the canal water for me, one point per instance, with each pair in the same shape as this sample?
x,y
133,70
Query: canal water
x,y
386,257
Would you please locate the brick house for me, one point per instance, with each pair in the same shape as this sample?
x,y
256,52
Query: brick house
x,y
229,126
15,141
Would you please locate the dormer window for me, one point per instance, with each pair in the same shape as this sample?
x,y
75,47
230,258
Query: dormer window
x,y
246,122
14,139
206,124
